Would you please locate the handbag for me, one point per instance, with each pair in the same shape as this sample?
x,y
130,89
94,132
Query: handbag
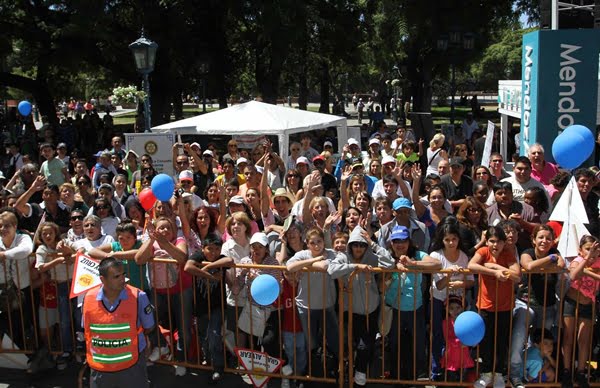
x,y
10,295
253,319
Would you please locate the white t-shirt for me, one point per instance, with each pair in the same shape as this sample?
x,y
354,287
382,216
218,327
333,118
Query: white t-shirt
x,y
462,261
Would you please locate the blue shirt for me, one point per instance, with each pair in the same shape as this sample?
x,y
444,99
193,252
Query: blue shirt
x,y
533,363
411,297
145,312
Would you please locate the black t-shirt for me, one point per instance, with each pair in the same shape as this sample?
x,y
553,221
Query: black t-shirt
x,y
539,286
454,192
210,294
328,182
31,223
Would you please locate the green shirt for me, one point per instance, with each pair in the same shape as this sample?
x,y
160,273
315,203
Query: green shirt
x,y
136,273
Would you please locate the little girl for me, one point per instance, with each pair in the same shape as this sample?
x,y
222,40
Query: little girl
x,y
578,309
61,272
498,271
446,249
456,357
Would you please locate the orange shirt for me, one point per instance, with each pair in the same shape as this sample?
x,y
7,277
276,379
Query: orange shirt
x,y
495,295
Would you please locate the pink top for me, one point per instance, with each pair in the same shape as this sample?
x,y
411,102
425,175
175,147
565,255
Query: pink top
x,y
544,176
585,284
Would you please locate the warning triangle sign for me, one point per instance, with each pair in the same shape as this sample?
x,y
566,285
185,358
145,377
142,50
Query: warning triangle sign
x,y
257,362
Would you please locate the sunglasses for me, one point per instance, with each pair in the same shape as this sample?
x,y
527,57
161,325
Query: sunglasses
x,y
145,160
77,218
182,163
80,183
293,176
104,207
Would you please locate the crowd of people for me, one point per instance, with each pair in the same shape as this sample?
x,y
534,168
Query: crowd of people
x,y
421,213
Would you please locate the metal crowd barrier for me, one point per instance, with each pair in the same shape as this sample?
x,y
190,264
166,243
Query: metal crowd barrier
x,y
22,326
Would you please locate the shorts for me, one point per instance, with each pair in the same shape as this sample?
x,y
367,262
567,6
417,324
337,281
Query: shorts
x,y
47,317
583,311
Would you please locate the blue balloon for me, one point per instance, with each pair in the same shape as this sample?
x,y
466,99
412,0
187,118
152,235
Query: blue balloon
x,y
24,108
570,149
264,290
587,135
162,187
469,328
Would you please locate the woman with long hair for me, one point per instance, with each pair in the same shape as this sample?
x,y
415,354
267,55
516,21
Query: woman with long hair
x,y
103,209
473,220
435,153
293,183
84,189
432,214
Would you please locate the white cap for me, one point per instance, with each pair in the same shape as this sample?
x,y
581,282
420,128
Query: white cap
x,y
194,144
242,160
237,199
388,159
328,143
260,238
302,160
186,175
208,152
259,169
374,141
353,141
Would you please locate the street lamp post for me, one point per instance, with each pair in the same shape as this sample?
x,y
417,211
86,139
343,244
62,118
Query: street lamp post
x,y
204,67
455,41
144,54
346,93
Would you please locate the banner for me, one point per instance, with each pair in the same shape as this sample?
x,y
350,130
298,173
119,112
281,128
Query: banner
x,y
559,85
487,149
158,145
254,361
85,275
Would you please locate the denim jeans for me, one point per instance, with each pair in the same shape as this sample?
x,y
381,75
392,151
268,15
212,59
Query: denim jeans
x,y
66,310
179,316
298,363
212,340
330,326
437,345
523,318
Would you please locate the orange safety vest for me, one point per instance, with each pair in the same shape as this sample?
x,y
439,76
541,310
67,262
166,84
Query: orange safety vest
x,y
111,337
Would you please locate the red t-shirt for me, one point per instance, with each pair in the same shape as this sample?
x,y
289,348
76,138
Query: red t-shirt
x,y
48,295
489,286
291,321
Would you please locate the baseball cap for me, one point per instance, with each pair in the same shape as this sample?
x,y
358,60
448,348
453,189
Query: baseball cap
x,y
186,175
194,144
400,203
457,161
260,238
318,157
388,159
131,152
242,160
302,160
327,143
99,153
374,141
237,199
61,145
353,141
399,233
208,153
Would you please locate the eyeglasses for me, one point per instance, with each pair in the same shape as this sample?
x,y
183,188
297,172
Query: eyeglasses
x,y
474,210
77,218
80,183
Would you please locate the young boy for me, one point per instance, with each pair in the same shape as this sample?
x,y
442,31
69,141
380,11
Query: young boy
x,y
409,148
104,166
53,169
210,299
539,364
340,242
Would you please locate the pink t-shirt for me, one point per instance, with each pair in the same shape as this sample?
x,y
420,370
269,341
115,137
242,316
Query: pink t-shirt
x,y
585,284
544,176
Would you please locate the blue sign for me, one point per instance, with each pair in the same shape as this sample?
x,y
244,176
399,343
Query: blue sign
x,y
559,84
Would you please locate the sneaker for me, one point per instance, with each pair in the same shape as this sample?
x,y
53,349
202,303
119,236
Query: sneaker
x,y
159,353
484,380
582,380
360,378
565,379
285,383
516,382
62,361
499,381
287,370
180,370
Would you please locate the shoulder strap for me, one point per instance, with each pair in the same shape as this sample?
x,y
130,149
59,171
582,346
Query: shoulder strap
x,y
434,155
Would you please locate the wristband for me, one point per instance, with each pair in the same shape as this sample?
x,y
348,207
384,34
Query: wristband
x,y
553,258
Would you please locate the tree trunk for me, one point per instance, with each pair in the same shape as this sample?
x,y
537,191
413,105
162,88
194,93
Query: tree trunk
x,y
38,89
303,87
177,105
324,107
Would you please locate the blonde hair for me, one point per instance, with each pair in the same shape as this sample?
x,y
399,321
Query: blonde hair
x,y
69,186
38,235
241,217
438,140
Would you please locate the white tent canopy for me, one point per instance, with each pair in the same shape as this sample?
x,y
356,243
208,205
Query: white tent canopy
x,y
258,118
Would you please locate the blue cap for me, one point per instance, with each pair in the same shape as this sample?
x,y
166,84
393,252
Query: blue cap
x,y
399,233
399,203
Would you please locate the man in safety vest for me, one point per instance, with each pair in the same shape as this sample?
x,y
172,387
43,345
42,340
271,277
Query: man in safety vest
x,y
115,316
